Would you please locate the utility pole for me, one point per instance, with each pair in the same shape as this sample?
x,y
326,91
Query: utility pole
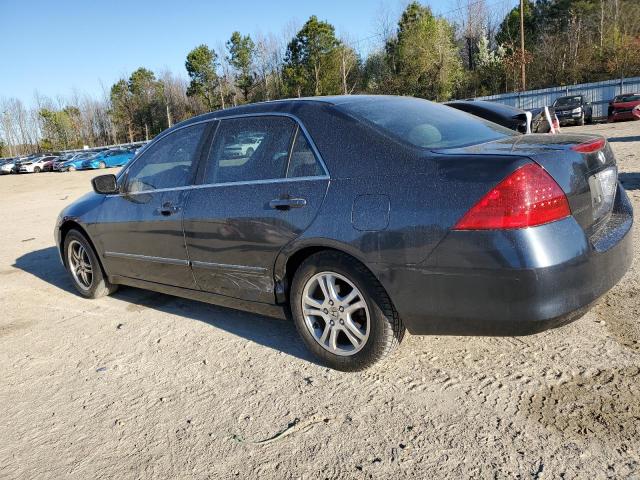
x,y
522,56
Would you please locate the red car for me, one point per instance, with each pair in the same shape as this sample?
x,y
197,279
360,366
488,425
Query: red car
x,y
621,107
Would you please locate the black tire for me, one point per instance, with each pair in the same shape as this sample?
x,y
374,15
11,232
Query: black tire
x,y
99,286
36,170
250,151
386,330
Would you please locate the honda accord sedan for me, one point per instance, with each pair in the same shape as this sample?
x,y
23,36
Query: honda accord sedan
x,y
360,217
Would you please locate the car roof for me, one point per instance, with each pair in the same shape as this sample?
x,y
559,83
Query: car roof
x,y
268,106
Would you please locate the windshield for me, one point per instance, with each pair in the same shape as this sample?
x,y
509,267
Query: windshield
x,y
424,124
567,101
630,97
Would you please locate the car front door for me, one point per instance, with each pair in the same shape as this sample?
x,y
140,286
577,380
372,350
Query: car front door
x,y
140,229
250,203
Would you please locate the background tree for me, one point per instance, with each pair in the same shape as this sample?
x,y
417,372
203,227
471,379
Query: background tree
x,y
241,50
201,67
424,56
311,62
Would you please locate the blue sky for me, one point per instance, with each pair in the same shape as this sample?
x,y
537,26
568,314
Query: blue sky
x,y
56,46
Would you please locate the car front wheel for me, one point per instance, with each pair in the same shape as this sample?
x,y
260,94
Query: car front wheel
x,y
343,313
84,268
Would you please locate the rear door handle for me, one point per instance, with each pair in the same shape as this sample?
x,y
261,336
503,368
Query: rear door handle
x,y
287,203
167,209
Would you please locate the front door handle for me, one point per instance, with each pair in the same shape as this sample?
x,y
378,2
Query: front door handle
x,y
287,203
167,209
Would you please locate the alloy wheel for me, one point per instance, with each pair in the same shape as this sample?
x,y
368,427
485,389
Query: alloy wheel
x,y
335,313
80,264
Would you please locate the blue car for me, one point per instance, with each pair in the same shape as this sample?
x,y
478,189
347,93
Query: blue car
x,y
76,163
110,158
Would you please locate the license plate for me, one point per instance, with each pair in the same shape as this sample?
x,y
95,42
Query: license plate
x,y
603,190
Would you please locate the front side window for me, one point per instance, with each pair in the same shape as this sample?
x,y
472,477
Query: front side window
x,y
249,149
168,163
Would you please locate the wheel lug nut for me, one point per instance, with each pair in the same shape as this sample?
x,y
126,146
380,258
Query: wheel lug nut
x,y
341,322
330,302
341,309
332,323
325,310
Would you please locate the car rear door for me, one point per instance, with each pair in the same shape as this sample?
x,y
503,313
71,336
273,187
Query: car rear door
x,y
247,208
140,229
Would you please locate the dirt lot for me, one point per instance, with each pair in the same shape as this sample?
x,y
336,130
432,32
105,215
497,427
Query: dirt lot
x,y
143,385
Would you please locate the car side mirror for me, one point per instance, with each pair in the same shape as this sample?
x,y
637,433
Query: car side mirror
x,y
105,184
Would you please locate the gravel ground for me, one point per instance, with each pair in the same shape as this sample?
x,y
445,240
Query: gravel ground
x,y
143,385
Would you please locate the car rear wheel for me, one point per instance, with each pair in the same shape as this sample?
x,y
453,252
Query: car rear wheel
x,y
102,165
71,169
84,268
342,313
36,170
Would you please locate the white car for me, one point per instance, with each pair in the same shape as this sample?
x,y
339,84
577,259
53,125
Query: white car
x,y
34,165
8,167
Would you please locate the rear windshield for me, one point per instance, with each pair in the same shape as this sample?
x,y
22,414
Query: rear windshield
x,y
424,124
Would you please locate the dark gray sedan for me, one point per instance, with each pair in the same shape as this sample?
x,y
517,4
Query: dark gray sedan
x,y
361,216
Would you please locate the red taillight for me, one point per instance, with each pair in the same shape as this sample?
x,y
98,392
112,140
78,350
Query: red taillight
x,y
527,197
590,146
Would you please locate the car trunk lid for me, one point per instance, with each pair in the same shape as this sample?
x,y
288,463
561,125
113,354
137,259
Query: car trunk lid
x,y
583,165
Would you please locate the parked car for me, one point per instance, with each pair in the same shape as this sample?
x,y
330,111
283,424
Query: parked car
x,y
523,121
636,112
505,115
573,109
621,107
108,159
364,216
14,165
76,163
47,166
36,164
243,146
62,159
7,165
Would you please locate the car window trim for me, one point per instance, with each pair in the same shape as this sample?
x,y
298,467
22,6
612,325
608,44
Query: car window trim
x,y
209,143
207,146
298,123
226,184
298,127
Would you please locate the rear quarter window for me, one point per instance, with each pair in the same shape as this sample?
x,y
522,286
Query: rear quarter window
x,y
424,124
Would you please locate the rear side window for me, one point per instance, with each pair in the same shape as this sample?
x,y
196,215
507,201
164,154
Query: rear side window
x,y
168,163
425,124
250,149
303,161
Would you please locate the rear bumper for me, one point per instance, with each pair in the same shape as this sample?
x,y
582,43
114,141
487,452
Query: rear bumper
x,y
514,282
